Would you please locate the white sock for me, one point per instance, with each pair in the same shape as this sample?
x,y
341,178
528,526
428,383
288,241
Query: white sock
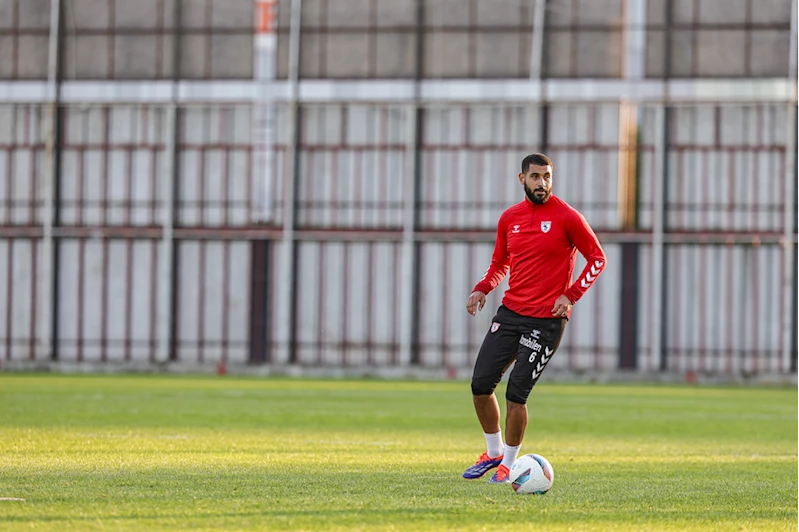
x,y
511,452
494,444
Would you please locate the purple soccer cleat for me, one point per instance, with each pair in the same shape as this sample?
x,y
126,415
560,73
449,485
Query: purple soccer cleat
x,y
483,465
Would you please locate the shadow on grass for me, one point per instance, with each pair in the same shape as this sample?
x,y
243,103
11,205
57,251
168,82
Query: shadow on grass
x,y
401,515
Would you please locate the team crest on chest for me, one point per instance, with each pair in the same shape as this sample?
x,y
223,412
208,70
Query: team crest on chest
x,y
545,226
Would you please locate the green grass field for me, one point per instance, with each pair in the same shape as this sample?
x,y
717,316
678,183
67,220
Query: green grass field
x,y
234,453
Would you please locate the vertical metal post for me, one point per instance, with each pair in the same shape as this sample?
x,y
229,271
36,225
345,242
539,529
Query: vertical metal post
x,y
288,288
167,263
628,134
263,173
660,271
265,59
410,250
788,280
49,193
260,258
628,212
537,46
658,228
634,38
409,253
538,102
167,294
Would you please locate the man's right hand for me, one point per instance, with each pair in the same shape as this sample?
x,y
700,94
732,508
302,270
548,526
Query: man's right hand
x,y
476,301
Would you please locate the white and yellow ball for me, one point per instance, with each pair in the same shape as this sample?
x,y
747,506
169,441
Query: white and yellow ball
x,y
531,474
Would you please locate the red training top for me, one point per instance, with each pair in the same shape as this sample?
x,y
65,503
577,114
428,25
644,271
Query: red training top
x,y
539,243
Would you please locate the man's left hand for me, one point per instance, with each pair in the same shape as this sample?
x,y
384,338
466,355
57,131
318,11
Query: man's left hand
x,y
562,307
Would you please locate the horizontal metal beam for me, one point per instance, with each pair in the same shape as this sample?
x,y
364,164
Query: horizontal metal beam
x,y
400,91
369,235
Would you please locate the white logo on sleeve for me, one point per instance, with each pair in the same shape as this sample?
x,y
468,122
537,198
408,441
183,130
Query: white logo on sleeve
x,y
545,226
515,228
592,274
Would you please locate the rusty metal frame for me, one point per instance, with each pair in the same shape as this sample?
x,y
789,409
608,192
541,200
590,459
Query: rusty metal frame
x,y
411,96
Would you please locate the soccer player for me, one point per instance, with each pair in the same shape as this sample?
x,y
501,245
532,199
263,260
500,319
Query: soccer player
x,y
537,240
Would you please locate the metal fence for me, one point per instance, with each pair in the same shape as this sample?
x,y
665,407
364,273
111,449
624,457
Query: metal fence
x,y
317,184
156,256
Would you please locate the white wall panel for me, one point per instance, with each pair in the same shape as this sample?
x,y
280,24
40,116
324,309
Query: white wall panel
x,y
106,300
727,168
213,301
21,163
449,336
348,308
722,315
470,162
19,271
352,180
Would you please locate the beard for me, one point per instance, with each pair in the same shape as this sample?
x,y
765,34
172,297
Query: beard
x,y
539,199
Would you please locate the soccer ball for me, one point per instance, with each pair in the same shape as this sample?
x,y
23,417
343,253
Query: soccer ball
x,y
531,473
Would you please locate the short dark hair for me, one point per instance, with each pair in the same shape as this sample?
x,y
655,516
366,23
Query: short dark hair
x,y
535,159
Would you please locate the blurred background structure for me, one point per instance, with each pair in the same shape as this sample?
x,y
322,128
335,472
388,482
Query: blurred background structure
x,y
316,183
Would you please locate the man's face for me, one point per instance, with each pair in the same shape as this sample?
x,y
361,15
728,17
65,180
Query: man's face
x,y
537,183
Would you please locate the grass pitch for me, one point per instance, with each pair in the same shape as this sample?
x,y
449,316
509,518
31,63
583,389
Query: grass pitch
x,y
230,453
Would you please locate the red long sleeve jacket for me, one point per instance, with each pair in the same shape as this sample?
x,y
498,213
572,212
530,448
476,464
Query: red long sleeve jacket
x,y
539,244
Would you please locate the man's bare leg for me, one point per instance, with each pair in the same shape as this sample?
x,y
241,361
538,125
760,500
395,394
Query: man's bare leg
x,y
515,423
487,409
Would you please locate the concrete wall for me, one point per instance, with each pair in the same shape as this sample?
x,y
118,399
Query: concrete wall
x,y
213,39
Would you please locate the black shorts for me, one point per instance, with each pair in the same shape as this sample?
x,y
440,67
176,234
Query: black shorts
x,y
530,342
